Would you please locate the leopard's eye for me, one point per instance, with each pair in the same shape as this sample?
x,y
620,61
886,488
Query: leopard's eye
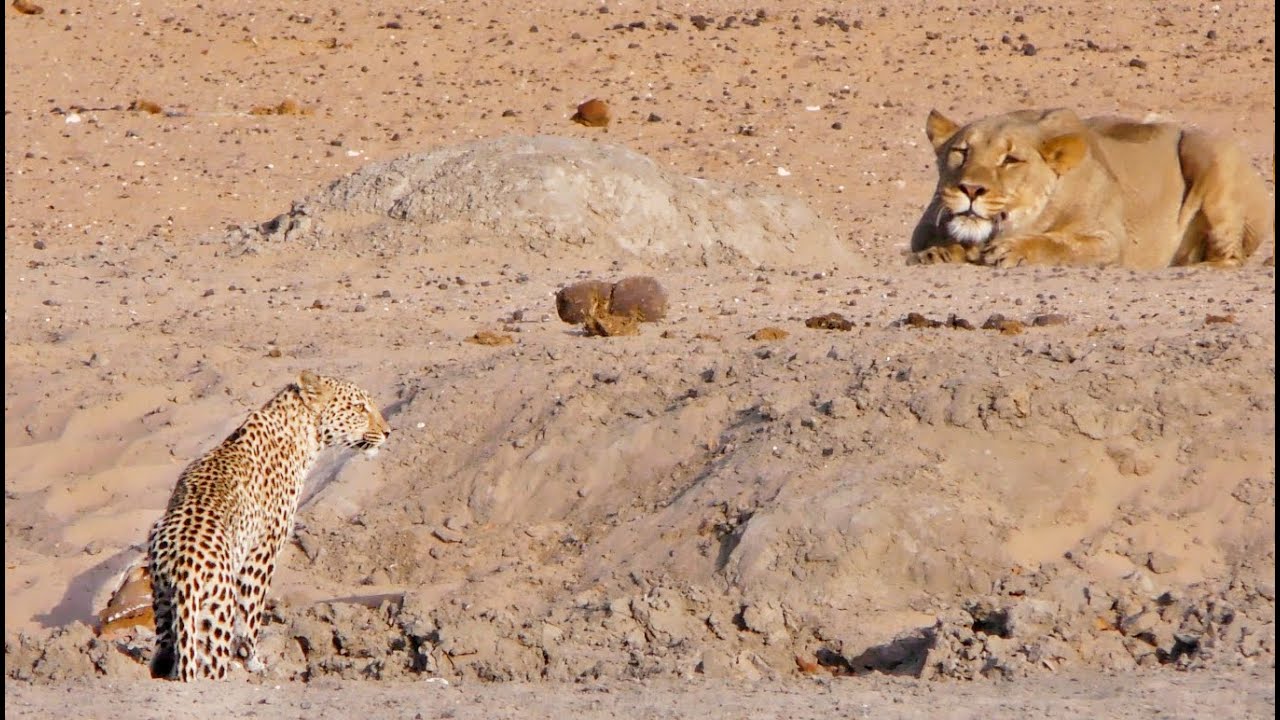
x,y
1008,160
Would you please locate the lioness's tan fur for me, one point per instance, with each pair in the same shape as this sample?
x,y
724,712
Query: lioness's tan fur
x,y
1045,187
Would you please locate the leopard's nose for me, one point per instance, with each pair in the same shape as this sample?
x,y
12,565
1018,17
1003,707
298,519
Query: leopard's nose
x,y
972,190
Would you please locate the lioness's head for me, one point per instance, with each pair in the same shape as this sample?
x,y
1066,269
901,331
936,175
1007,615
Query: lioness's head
x,y
996,175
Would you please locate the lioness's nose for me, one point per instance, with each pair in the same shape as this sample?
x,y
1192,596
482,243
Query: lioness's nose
x,y
972,190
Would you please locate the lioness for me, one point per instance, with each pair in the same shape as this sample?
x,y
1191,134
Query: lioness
x,y
1046,187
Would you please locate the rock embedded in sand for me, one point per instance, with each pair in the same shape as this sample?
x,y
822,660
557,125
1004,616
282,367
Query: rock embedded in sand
x,y
640,296
1161,562
592,113
768,333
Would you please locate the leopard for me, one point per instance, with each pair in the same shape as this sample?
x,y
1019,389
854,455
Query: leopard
x,y
212,555
1047,187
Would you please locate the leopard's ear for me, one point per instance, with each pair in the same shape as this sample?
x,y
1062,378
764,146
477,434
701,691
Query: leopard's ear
x,y
939,128
315,393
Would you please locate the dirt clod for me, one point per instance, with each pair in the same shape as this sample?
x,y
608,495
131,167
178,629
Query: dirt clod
x,y
642,297
766,334
574,303
490,337
830,321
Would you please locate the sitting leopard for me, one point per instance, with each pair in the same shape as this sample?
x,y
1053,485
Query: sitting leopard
x,y
213,554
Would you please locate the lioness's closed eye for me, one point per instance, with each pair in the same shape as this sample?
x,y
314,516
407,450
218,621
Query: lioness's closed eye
x,y
1045,187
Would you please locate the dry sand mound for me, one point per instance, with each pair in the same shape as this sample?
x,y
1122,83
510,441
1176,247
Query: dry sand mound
x,y
560,196
930,501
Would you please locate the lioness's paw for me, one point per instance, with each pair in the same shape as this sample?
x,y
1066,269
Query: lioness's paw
x,y
954,253
1006,253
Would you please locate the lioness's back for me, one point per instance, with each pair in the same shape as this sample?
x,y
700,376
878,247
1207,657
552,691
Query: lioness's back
x,y
1143,157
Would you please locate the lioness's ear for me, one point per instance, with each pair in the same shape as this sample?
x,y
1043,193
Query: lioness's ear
x,y
314,392
1059,121
1064,152
939,129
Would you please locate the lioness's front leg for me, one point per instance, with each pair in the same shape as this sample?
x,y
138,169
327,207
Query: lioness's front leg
x,y
1052,248
948,253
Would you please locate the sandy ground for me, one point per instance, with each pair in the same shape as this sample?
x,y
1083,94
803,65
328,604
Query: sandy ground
x,y
825,522
1164,695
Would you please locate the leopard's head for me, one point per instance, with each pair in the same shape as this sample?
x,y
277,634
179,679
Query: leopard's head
x,y
346,414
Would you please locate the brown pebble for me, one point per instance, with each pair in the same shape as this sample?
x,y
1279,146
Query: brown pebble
x,y
592,113
1006,326
916,320
641,296
1137,63
574,302
147,106
1219,319
768,333
26,7
830,321
489,337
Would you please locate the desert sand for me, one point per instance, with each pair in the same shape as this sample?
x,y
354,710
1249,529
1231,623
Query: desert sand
x,y
1067,511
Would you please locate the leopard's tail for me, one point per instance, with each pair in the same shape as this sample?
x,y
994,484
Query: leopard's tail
x,y
193,627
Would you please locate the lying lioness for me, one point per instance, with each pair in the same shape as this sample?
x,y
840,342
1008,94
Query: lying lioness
x,y
1046,187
